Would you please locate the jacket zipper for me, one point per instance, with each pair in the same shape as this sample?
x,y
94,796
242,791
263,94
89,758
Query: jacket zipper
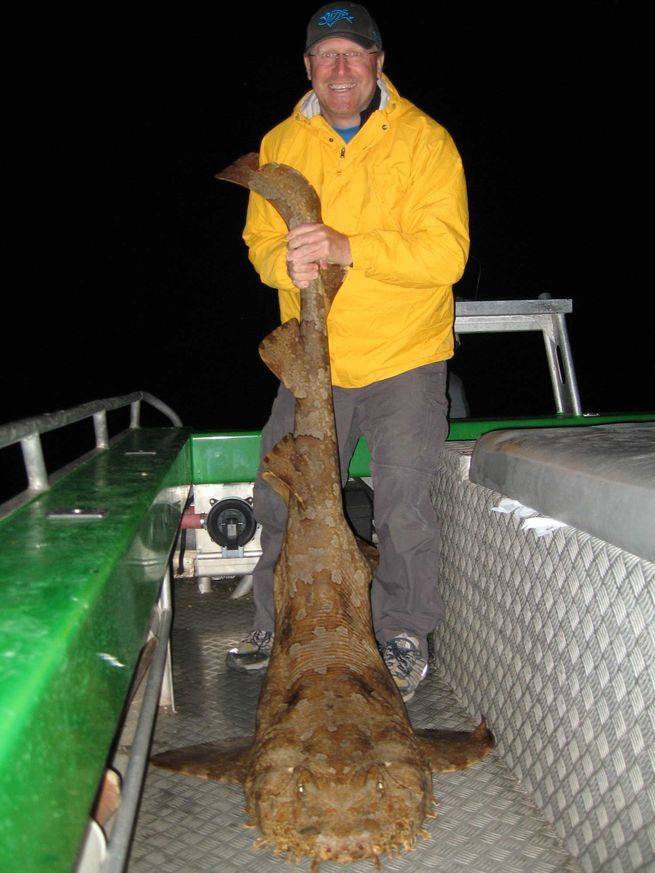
x,y
342,155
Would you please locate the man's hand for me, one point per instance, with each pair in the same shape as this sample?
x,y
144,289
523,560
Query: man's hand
x,y
312,245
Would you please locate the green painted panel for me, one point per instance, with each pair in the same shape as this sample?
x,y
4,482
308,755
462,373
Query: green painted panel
x,y
76,597
234,457
225,457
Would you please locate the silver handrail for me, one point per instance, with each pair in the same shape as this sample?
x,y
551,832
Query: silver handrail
x,y
15,431
27,432
546,315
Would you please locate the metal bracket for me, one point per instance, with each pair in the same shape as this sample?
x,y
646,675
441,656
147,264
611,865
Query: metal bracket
x,y
545,315
232,553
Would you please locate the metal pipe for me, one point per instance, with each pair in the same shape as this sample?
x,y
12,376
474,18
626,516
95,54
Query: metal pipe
x,y
167,695
569,369
121,834
555,376
135,414
543,306
192,520
37,474
162,407
15,431
100,427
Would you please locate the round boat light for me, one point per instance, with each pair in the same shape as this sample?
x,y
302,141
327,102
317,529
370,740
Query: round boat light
x,y
231,523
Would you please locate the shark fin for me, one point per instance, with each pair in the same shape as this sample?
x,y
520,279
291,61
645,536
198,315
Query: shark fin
x,y
278,485
286,467
455,750
333,278
224,761
282,352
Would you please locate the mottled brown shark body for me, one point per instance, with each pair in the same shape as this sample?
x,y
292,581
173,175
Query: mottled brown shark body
x,y
335,770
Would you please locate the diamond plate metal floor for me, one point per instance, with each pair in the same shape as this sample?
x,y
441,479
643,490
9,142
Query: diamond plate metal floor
x,y
485,824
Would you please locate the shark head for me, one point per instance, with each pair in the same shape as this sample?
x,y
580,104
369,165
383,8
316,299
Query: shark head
x,y
341,780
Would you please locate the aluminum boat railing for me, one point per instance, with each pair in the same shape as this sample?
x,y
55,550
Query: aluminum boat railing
x,y
28,433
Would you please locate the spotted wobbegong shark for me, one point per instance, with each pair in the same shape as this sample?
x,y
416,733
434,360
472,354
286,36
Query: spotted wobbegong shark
x,y
335,770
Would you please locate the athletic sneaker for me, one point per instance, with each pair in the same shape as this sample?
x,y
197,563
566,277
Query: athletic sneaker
x,y
252,653
403,657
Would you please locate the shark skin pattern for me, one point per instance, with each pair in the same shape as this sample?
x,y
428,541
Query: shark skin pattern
x,y
335,770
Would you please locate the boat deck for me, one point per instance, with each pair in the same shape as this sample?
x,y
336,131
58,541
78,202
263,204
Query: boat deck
x,y
485,823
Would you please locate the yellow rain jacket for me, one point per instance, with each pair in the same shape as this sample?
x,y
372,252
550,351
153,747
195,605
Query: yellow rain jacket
x,y
397,190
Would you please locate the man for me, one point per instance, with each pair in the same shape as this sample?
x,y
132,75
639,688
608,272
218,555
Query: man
x,y
394,208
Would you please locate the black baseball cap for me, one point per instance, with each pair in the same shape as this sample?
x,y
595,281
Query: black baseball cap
x,y
343,19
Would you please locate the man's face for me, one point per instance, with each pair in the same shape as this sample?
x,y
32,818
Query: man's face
x,y
344,87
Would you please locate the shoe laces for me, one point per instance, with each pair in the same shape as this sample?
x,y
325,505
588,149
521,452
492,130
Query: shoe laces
x,y
259,637
401,652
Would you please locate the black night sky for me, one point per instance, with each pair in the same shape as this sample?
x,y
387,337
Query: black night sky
x,y
132,273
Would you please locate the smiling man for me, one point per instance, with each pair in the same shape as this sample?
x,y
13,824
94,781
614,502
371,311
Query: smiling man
x,y
394,208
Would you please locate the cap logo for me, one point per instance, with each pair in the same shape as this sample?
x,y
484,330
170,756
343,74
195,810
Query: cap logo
x,y
334,15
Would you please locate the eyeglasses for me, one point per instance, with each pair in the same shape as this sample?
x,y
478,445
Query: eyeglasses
x,y
327,59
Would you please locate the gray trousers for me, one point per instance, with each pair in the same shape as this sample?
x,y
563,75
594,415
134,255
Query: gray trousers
x,y
404,421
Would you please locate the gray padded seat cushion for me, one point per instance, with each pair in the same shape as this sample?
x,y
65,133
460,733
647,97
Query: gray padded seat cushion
x,y
598,479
